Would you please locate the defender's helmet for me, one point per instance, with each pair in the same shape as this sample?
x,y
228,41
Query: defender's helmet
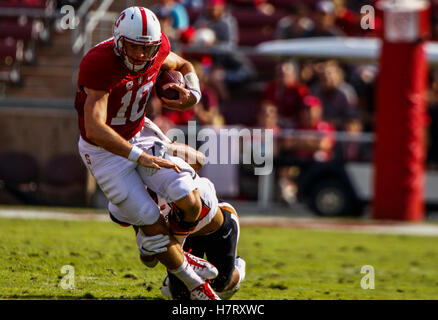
x,y
139,26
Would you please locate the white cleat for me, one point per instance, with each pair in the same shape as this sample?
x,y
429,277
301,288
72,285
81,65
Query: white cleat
x,y
240,266
203,292
165,289
202,267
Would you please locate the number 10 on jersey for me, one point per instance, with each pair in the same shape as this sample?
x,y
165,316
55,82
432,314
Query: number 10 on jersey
x,y
137,110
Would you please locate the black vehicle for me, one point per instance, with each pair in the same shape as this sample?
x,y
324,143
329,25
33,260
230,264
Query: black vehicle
x,y
328,190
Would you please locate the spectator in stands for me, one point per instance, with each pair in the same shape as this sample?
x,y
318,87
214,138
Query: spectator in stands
x,y
216,18
363,79
167,27
220,21
313,141
325,21
296,24
347,20
352,148
286,93
216,77
308,73
264,6
267,117
193,4
178,12
207,110
339,98
318,144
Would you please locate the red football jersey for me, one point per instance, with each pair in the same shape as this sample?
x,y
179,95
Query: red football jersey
x,y
102,69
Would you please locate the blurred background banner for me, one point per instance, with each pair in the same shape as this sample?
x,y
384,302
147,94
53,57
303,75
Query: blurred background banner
x,y
308,70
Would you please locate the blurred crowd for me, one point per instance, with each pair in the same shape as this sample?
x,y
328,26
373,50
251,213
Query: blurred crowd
x,y
311,95
306,102
307,94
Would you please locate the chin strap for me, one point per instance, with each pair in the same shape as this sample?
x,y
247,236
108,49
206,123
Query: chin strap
x,y
134,67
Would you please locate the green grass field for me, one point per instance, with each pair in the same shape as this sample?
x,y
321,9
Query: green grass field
x,y
281,263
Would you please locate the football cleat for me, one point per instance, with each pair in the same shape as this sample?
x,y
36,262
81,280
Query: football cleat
x,y
203,292
202,267
165,289
240,265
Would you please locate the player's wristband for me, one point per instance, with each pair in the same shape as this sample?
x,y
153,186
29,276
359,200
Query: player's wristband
x,y
196,94
135,153
192,83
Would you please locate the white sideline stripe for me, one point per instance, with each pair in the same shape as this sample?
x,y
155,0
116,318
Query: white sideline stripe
x,y
304,223
400,228
35,214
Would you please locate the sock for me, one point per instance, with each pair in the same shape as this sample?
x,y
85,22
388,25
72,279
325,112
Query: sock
x,y
187,275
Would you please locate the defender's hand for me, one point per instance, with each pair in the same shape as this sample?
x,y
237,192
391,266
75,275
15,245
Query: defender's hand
x,y
157,163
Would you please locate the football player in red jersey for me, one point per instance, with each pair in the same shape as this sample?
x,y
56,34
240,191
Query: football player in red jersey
x,y
117,140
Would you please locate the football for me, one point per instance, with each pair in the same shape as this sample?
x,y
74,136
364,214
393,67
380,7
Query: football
x,y
165,77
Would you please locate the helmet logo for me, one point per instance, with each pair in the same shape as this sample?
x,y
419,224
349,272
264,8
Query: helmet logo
x,y
122,16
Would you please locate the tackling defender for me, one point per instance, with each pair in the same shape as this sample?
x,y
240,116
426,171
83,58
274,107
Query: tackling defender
x,y
218,241
216,236
114,84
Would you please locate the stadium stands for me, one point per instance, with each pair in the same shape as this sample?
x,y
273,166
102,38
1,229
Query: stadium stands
x,y
22,25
